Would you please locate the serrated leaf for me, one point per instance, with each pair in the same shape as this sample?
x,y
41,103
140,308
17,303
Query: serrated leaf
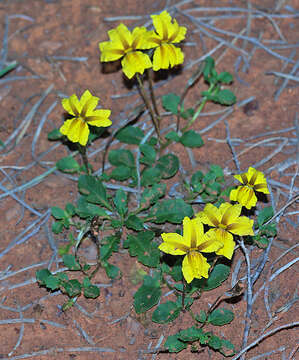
x,y
72,287
151,195
86,282
121,157
174,345
42,275
191,139
264,215
221,317
121,173
219,274
91,292
188,113
70,262
121,202
52,282
191,334
130,135
94,190
225,97
170,102
225,77
142,246
68,165
227,348
110,244
172,135
202,317
150,176
134,222
58,213
166,312
168,165
171,210
85,209
147,295
215,342
55,135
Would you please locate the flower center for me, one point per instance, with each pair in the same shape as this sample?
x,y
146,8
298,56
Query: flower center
x,y
221,226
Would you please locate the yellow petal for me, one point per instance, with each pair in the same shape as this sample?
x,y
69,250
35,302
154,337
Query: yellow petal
x,y
121,35
88,103
111,51
229,212
99,118
151,40
192,232
210,215
227,240
177,33
241,226
167,55
195,266
76,130
161,23
244,195
135,62
173,244
139,35
64,129
210,242
71,105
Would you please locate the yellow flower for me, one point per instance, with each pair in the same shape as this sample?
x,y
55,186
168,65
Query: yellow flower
x,y
124,44
252,181
192,242
84,114
167,33
226,220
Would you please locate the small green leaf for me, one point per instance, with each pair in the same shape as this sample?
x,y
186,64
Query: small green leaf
x,y
72,287
121,157
68,165
151,195
86,282
147,295
170,102
121,173
202,317
221,317
149,154
209,66
225,97
215,342
42,275
110,244
188,113
52,282
225,77
130,135
227,348
196,180
86,210
168,165
94,190
219,274
171,210
191,139
112,271
150,176
191,334
70,262
264,215
58,213
134,222
174,345
121,202
55,135
166,312
142,246
70,209
173,135
57,227
91,292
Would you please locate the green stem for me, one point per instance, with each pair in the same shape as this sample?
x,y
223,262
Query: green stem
x,y
147,104
84,158
153,98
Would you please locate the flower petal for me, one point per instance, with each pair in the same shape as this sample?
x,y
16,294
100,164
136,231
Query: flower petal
x,y
210,242
244,195
210,215
241,226
76,130
135,62
229,212
111,51
173,244
99,118
71,105
227,240
161,23
87,103
139,35
195,266
167,55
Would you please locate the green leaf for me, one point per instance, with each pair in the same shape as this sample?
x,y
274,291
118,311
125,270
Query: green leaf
x,y
94,190
55,135
86,282
215,342
196,180
217,171
149,154
58,213
68,165
219,274
171,210
112,271
227,348
209,66
173,135
130,135
86,210
264,215
52,282
170,102
57,227
225,77
143,247
221,317
121,173
62,277
202,317
188,113
70,262
225,97
174,345
191,334
42,275
8,68
121,157
91,292
168,165
151,195
121,202
191,139
134,222
167,312
150,176
70,209
72,287
110,244
147,295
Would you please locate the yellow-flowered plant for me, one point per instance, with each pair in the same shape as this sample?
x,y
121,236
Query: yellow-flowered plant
x,y
125,44
253,180
191,244
225,221
168,32
84,113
